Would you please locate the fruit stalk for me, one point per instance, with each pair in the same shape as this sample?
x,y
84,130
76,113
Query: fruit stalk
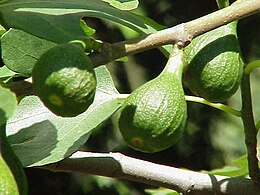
x,y
175,63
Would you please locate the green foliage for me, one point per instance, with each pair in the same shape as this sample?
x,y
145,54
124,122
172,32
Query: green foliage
x,y
39,137
2,30
7,104
62,24
21,57
239,167
6,74
11,176
10,162
123,5
222,3
161,191
7,182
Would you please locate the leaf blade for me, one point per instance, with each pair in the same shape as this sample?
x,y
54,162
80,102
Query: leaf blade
x,y
61,19
21,56
7,104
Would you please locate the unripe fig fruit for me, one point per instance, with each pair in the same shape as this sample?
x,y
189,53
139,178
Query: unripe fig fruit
x,y
215,66
154,115
64,79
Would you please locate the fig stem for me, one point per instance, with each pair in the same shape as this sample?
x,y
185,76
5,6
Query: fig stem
x,y
121,98
219,106
175,63
251,66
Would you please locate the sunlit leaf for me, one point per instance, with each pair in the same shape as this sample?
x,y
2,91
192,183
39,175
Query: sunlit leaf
x,y
7,181
21,56
59,20
222,3
7,104
123,4
87,30
161,191
239,167
2,30
11,168
6,74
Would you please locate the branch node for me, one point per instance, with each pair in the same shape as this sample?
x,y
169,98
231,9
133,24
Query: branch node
x,y
183,37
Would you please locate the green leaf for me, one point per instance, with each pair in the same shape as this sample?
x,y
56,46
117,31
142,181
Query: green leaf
x,y
161,191
40,137
6,74
239,167
21,56
59,20
13,163
7,104
222,3
2,30
7,182
123,4
87,30
258,141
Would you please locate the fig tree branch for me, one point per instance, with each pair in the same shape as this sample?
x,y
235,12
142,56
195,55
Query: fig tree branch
x,y
181,34
249,128
117,165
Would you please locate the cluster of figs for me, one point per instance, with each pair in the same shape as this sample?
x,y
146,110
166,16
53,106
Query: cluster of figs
x,y
153,116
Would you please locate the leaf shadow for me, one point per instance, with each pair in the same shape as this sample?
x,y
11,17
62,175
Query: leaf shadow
x,y
2,117
32,145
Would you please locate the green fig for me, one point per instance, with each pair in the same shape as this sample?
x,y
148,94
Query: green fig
x,y
214,65
154,115
64,79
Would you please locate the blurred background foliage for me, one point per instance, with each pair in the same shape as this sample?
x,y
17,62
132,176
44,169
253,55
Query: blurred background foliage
x,y
212,138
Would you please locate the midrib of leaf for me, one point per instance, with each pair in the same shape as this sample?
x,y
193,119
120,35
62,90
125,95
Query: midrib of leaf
x,y
24,118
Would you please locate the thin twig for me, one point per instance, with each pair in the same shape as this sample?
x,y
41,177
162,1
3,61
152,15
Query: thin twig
x,y
249,128
181,34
